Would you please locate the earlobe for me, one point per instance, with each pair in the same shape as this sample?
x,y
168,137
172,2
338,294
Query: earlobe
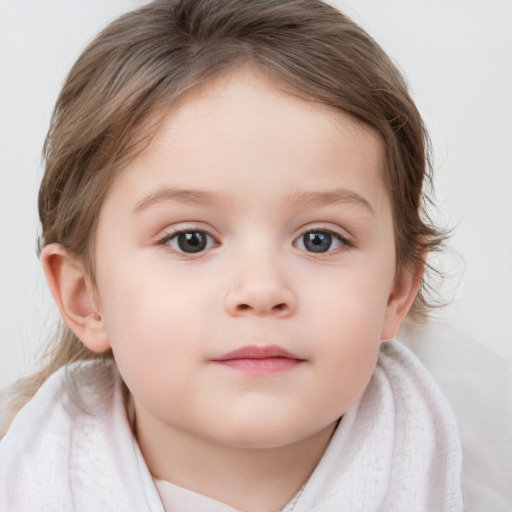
x,y
75,298
405,289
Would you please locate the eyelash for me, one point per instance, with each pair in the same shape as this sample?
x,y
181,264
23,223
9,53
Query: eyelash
x,y
346,244
168,237
164,241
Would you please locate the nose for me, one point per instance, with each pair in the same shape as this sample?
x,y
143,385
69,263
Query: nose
x,y
259,288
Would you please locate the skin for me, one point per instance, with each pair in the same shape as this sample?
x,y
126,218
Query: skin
x,y
269,163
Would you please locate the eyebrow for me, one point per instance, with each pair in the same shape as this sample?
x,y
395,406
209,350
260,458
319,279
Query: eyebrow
x,y
331,197
184,196
309,199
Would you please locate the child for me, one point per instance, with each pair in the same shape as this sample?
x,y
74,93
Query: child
x,y
233,234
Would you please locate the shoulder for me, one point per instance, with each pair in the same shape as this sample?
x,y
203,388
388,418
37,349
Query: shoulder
x,y
57,449
73,387
478,385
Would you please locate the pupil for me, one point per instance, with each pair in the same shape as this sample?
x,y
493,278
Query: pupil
x,y
317,241
194,241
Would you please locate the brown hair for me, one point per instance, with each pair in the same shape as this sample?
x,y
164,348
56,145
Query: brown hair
x,y
149,58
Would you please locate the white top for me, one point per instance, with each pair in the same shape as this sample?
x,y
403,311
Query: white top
x,y
179,499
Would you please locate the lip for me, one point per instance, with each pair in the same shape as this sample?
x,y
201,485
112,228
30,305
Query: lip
x,y
257,352
260,360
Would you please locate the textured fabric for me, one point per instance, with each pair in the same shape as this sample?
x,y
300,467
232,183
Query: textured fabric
x,y
57,458
396,450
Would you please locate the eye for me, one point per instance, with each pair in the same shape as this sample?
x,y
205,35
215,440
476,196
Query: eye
x,y
189,242
320,241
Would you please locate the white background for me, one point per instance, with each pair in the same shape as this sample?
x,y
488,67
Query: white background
x,y
457,56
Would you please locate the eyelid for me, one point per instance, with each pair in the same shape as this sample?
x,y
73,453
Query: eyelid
x,y
344,239
173,231
186,227
327,227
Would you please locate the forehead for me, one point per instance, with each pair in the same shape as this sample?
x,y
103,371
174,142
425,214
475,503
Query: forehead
x,y
243,131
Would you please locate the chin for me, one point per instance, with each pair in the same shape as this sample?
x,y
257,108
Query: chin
x,y
268,434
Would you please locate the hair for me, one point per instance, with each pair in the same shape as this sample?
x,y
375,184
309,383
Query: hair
x,y
129,76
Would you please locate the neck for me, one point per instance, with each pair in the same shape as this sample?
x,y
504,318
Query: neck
x,y
252,480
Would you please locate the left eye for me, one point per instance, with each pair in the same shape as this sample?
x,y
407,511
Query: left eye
x,y
320,241
189,242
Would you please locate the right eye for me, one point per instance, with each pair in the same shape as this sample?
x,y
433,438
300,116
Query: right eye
x,y
189,242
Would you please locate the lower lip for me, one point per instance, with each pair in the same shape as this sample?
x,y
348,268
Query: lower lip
x,y
266,366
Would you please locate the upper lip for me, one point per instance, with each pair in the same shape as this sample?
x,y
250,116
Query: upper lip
x,y
257,352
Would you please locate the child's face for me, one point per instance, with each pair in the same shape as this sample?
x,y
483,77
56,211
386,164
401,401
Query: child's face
x,y
254,219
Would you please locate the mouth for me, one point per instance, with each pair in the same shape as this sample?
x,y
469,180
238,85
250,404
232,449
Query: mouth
x,y
256,360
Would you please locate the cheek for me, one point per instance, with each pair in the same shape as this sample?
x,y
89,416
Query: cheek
x,y
147,315
146,342
350,301
349,345
345,319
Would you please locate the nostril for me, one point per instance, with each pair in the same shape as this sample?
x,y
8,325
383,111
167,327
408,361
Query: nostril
x,y
277,308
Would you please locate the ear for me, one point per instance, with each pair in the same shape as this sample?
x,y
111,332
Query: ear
x,y
404,291
75,297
